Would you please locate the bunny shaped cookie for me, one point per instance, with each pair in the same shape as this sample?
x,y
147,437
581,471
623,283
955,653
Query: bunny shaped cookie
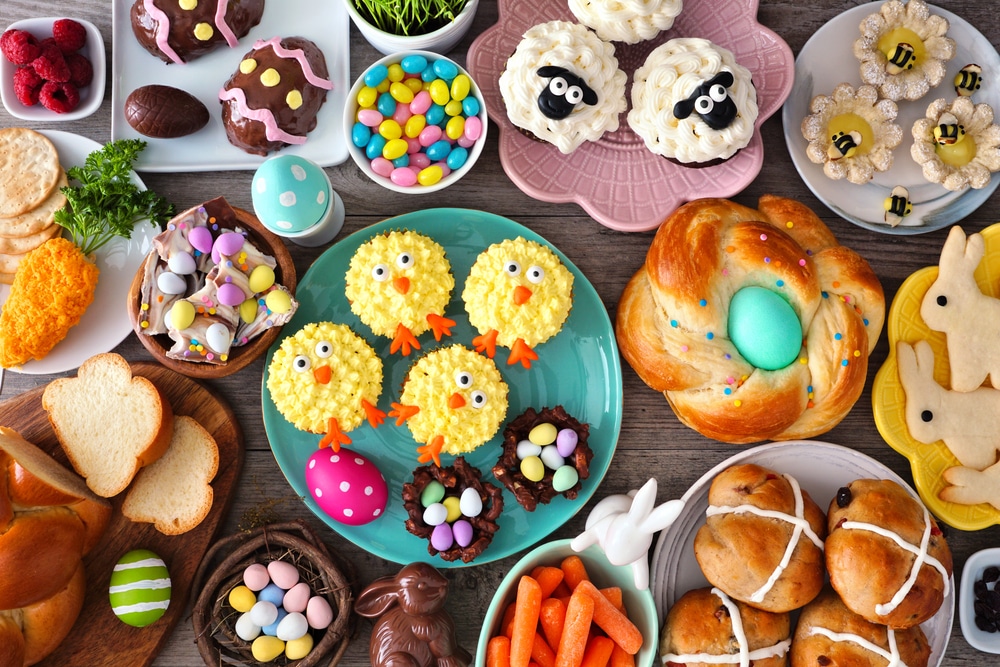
x,y
624,525
413,628
955,305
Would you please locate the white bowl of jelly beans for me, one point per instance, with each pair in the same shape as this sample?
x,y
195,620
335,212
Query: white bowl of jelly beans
x,y
415,122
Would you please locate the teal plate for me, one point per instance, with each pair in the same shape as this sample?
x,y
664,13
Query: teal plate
x,y
579,368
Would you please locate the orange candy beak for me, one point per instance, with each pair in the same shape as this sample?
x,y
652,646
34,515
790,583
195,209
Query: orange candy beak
x,y
521,295
402,284
323,374
456,401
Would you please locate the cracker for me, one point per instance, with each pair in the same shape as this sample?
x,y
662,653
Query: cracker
x,y
18,245
29,170
6,278
10,261
38,218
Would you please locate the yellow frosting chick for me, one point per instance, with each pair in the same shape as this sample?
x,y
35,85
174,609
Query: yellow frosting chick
x,y
518,294
399,284
326,379
453,401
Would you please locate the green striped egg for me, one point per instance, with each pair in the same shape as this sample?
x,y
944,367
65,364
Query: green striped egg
x,y
140,588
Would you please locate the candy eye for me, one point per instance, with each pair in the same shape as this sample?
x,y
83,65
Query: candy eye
x,y
704,104
301,363
574,95
558,85
380,272
535,274
324,349
478,399
463,379
512,268
405,260
717,92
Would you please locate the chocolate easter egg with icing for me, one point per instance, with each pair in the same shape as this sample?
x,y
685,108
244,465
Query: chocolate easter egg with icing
x,y
178,31
273,98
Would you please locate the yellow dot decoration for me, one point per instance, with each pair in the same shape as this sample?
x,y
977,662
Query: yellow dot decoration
x,y
803,360
188,5
270,77
789,224
248,65
293,99
737,402
204,32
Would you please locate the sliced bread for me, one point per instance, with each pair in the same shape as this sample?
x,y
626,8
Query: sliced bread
x,y
109,423
174,493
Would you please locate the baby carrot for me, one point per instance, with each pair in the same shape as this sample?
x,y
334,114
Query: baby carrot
x,y
552,617
542,653
508,619
598,652
574,571
498,652
561,591
526,609
619,658
573,641
614,596
613,622
548,578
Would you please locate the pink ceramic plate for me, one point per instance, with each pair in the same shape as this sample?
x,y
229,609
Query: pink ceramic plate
x,y
617,180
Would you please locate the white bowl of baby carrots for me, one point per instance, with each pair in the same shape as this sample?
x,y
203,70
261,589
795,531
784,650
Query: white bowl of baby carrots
x,y
546,607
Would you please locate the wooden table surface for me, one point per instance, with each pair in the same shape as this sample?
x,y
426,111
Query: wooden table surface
x,y
652,440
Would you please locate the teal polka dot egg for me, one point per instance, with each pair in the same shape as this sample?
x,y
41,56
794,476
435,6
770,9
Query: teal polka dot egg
x,y
290,194
140,588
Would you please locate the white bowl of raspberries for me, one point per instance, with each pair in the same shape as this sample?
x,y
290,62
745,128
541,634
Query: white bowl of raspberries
x,y
52,69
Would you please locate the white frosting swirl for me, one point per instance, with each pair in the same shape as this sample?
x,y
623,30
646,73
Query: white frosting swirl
x,y
671,73
576,48
628,21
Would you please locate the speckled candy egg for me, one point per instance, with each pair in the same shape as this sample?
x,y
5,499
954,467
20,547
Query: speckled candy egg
x,y
290,194
140,588
346,485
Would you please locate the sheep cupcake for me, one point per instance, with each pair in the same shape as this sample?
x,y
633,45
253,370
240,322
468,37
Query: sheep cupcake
x,y
625,20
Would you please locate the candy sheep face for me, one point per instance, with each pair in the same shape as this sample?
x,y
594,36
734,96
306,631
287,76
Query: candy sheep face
x,y
347,486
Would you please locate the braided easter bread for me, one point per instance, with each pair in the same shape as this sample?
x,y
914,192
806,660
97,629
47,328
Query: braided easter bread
x,y
673,324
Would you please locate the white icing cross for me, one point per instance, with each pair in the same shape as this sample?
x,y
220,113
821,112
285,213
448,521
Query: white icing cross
x,y
745,656
891,656
799,521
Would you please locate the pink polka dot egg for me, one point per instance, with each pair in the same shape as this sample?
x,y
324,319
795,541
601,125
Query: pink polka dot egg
x,y
346,486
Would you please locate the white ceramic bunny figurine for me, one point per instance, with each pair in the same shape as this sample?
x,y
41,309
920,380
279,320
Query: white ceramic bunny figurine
x,y
624,525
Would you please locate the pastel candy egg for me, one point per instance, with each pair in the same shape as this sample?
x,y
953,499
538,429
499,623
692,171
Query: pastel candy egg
x,y
346,485
551,457
526,448
230,294
171,283
290,193
432,493
543,434
227,244
248,310
271,593
462,530
182,263
140,588
266,649
245,628
435,514
566,441
764,328
470,503
242,599
454,505
319,613
297,649
283,574
256,577
261,278
442,537
201,239
565,478
297,597
271,629
264,613
533,468
278,301
181,315
292,626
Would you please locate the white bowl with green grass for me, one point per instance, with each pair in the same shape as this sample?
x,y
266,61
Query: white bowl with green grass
x,y
390,36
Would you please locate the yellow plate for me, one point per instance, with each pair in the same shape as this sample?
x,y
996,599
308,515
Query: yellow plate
x,y
928,462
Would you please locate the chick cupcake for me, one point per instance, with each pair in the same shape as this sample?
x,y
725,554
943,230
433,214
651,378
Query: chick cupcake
x,y
453,401
326,379
518,295
399,284
957,144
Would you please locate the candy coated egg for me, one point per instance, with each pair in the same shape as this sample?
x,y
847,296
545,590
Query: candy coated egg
x,y
182,314
551,457
533,468
218,337
566,441
227,244
435,514
171,283
271,593
263,613
266,649
526,448
432,493
139,591
346,485
565,478
462,531
292,626
278,301
182,263
248,310
764,328
256,577
470,503
319,613
201,239
245,628
271,629
442,537
454,505
261,278
290,193
297,597
299,648
230,294
283,574
543,434
242,599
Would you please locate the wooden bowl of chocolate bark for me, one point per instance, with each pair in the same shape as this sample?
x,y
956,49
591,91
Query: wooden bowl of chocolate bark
x,y
214,291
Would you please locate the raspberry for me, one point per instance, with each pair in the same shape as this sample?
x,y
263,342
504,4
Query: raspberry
x,y
51,65
19,47
59,97
27,84
70,36
81,72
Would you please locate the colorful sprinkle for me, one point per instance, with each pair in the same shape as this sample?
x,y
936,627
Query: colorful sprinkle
x,y
857,353
838,336
802,262
789,224
844,362
710,335
684,348
703,303
737,402
673,323
727,391
824,294
767,260
763,237
780,283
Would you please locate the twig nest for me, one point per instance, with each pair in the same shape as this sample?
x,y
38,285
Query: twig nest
x,y
852,133
903,49
956,144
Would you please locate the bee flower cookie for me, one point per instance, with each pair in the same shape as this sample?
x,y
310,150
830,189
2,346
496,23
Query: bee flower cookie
x,y
957,144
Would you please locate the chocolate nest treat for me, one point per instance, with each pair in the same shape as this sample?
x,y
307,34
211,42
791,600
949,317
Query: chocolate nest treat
x,y
453,508
545,454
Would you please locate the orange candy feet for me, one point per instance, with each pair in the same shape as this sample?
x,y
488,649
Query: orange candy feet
x,y
374,415
431,451
522,352
440,325
334,436
486,343
404,340
402,412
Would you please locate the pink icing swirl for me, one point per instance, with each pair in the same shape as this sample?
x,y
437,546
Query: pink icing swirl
x,y
299,55
162,30
220,23
265,116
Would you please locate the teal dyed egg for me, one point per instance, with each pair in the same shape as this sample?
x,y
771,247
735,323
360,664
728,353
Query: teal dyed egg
x,y
140,588
290,193
764,328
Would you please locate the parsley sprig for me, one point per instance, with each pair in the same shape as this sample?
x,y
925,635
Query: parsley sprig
x,y
106,203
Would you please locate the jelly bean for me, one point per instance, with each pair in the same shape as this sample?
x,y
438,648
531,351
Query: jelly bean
x,y
382,167
419,160
393,149
369,117
421,102
403,176
396,72
401,161
383,87
415,85
402,114
453,503
430,175
413,64
443,166
375,146
543,434
390,129
434,491
455,127
533,468
460,87
414,126
435,114
299,648
266,649
445,69
551,457
438,150
429,135
442,537
473,128
465,142
376,75
457,157
401,92
565,478
439,92
453,108
367,97
470,106
412,145
360,134
242,599
566,441
428,74
386,104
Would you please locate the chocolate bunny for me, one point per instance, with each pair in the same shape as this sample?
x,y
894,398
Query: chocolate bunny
x,y
413,627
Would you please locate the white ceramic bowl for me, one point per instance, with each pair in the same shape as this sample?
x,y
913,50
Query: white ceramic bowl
x,y
364,163
988,642
440,41
638,604
90,96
